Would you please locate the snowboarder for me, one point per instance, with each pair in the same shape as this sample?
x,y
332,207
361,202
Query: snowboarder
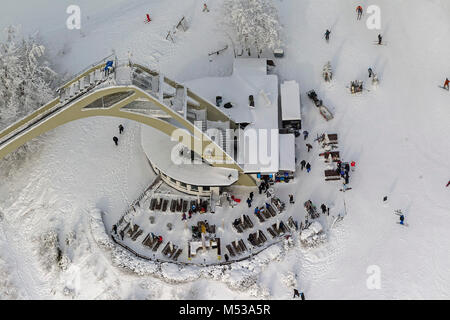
x,y
309,146
370,72
303,164
446,84
116,140
120,129
296,293
380,39
308,167
359,11
205,7
324,208
291,199
305,135
249,202
327,35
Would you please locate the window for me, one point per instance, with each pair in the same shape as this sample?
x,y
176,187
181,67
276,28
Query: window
x,y
194,188
183,184
206,188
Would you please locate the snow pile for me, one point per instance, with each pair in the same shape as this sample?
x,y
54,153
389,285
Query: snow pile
x,y
313,235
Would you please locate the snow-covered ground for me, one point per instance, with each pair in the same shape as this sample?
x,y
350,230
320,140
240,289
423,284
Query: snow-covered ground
x,y
396,133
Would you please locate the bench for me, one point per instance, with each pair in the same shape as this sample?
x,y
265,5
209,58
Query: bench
x,y
148,241
230,250
331,175
265,213
179,205
173,205
158,204
271,210
137,234
242,245
153,204
260,218
165,204
247,222
293,224
175,257
236,247
155,248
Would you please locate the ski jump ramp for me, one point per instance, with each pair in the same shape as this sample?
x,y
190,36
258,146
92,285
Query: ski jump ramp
x,y
125,90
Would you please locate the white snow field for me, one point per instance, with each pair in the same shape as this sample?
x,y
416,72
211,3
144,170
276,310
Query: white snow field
x,y
397,133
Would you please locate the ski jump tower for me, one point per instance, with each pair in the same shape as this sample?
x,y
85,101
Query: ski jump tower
x,y
126,89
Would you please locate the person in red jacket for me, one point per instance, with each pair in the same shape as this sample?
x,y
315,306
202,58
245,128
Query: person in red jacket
x,y
448,184
446,84
359,11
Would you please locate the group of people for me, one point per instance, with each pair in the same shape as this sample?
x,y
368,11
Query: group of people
x,y
263,186
115,139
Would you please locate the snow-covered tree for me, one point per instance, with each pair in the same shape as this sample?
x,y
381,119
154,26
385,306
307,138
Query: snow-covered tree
x,y
254,23
25,76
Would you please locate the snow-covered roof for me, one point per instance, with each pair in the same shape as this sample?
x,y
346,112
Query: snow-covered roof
x,y
158,147
249,78
287,152
290,101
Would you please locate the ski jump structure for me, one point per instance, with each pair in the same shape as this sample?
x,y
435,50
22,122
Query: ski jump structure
x,y
130,90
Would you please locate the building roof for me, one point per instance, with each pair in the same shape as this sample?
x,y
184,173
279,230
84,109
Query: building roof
x,y
287,152
290,101
249,78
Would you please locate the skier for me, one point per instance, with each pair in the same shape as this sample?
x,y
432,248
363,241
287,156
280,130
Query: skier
x,y
296,293
327,35
309,146
226,257
251,195
249,202
120,129
291,199
448,183
190,213
380,38
184,216
303,164
353,164
402,218
305,135
205,7
324,208
116,140
302,296
446,84
359,10
370,72
308,167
